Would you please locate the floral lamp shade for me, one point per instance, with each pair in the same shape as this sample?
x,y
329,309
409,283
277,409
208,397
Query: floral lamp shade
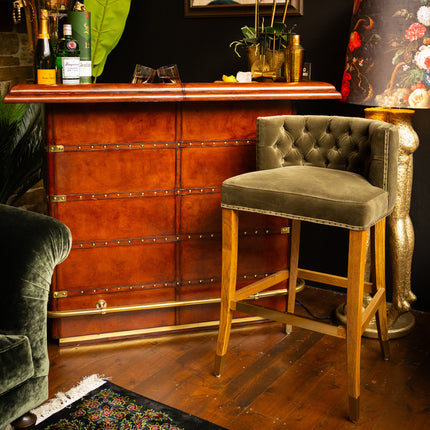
x,y
388,54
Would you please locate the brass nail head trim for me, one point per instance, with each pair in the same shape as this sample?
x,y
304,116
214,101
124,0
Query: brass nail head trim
x,y
57,199
55,148
59,294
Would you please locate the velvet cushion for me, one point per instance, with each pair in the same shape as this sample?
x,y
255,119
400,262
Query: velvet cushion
x,y
308,193
16,364
325,169
23,398
364,146
31,245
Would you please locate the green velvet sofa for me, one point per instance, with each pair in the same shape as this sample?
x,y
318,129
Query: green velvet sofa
x,y
31,245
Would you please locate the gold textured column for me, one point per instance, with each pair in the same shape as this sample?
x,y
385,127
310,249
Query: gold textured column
x,y
400,228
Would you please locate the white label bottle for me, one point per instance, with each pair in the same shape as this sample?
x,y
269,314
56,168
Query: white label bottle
x,y
68,58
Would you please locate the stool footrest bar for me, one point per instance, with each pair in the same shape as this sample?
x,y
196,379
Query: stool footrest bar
x,y
289,318
328,279
261,285
371,309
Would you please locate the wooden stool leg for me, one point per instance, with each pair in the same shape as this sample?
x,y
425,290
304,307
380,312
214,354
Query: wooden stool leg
x,y
378,269
294,262
356,266
230,227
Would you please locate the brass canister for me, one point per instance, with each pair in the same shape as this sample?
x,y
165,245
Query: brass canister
x,y
294,62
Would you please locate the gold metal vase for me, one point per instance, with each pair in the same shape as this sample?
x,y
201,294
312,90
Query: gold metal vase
x,y
267,65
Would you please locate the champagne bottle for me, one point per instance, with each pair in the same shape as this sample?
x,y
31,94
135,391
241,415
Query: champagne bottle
x,y
68,57
44,58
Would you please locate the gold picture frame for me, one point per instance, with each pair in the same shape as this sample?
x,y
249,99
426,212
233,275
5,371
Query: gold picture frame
x,y
208,8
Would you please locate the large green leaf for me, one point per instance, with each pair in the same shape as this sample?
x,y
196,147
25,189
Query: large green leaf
x,y
108,18
21,149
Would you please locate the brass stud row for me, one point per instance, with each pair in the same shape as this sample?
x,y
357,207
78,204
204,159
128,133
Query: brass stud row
x,y
128,146
168,239
169,284
104,147
134,194
215,143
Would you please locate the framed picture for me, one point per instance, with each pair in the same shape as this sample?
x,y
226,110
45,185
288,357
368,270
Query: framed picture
x,y
213,8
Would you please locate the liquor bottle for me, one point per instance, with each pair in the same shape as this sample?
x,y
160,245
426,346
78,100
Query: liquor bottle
x,y
81,26
44,58
68,57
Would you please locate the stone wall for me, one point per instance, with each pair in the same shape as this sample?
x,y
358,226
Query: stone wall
x,y
16,58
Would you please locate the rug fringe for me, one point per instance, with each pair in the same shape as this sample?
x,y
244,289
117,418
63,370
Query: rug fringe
x,y
62,400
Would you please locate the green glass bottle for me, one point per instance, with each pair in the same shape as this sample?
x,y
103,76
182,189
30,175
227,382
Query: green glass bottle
x,y
81,25
68,58
44,58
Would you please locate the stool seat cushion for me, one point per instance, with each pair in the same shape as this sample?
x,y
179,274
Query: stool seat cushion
x,y
308,193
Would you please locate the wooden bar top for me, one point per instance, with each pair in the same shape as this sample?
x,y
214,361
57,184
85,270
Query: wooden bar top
x,y
160,92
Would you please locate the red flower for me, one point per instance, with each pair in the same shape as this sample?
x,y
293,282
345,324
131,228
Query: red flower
x,y
354,41
415,31
346,85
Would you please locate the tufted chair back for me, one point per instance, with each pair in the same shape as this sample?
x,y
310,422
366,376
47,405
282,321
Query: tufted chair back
x,y
343,143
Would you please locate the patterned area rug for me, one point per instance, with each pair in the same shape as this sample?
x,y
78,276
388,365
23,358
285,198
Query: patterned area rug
x,y
110,407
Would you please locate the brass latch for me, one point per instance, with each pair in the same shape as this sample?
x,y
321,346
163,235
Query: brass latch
x,y
285,230
59,294
55,148
102,305
56,199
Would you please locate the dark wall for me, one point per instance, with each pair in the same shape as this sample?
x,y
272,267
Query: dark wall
x,y
157,33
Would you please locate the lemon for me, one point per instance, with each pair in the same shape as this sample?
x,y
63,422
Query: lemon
x,y
230,78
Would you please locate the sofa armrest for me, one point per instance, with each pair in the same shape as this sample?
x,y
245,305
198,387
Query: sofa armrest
x,y
31,245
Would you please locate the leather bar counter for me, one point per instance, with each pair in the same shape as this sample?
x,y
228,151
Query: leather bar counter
x,y
135,172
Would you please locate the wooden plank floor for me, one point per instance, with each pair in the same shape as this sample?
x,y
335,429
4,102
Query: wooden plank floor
x,y
271,380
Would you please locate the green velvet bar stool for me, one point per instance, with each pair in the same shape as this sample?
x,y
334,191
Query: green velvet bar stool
x,y
337,171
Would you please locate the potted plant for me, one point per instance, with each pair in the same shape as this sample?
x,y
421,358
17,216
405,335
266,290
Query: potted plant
x,y
265,45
